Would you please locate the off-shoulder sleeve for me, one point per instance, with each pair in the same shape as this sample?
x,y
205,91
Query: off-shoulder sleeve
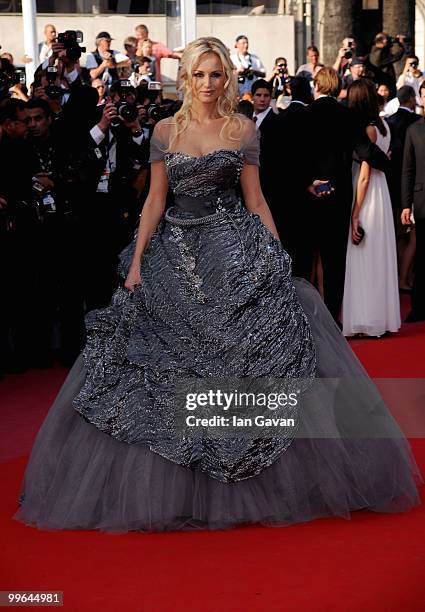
x,y
251,144
159,141
157,150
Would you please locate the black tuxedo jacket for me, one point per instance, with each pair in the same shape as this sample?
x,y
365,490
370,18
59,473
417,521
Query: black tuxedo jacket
x,y
335,134
413,176
294,108
399,122
130,159
270,142
294,128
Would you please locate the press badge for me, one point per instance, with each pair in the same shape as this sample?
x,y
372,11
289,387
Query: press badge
x,y
102,186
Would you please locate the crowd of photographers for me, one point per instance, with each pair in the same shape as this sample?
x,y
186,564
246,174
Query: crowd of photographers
x,y
74,152
74,156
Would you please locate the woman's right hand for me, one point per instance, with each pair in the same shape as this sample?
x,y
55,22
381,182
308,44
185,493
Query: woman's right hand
x,y
355,235
133,278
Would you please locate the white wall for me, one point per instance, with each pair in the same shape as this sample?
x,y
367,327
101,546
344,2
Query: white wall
x,y
119,27
420,33
269,36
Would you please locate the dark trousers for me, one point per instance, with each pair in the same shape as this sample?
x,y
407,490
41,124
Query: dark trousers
x,y
418,290
41,278
323,228
105,232
59,282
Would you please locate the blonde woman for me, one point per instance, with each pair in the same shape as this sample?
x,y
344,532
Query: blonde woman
x,y
209,307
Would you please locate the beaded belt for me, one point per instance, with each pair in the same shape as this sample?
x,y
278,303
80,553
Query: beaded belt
x,y
222,204
202,208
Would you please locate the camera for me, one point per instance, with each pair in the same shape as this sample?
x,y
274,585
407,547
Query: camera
x,y
44,201
126,110
154,112
71,40
8,79
348,52
247,74
52,91
9,76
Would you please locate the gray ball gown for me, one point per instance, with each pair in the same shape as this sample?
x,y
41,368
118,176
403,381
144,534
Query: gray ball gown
x,y
216,300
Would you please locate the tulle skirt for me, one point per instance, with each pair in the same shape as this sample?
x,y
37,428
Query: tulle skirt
x,y
79,477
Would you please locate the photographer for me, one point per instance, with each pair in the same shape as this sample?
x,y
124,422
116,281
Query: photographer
x,y
248,66
59,263
385,52
357,71
116,167
313,65
9,81
346,54
104,61
142,72
411,76
280,79
45,48
19,238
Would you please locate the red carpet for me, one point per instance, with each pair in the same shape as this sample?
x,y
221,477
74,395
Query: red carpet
x,y
373,562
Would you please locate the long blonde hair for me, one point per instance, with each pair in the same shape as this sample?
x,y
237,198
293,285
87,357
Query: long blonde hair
x,y
226,104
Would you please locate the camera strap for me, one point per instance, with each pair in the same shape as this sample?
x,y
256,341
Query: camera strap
x,y
245,63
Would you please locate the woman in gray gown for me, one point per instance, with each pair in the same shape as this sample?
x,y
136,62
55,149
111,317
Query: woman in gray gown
x,y
208,295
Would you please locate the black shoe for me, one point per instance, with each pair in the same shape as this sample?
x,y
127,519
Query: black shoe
x,y
414,317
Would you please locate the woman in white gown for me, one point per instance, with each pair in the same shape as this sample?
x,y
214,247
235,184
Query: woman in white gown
x,y
371,303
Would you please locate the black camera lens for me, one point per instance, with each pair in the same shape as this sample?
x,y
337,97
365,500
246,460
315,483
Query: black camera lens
x,y
155,112
53,92
348,55
126,111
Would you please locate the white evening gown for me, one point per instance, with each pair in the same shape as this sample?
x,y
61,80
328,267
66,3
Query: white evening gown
x,y
371,302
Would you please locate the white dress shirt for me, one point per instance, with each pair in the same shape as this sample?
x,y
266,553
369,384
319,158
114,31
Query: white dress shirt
x,y
260,117
246,61
111,162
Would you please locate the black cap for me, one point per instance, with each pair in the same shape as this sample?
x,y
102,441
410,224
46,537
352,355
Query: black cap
x,y
104,35
357,61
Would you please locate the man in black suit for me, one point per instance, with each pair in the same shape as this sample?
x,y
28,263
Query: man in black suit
x,y
116,159
399,122
334,134
269,125
413,197
294,195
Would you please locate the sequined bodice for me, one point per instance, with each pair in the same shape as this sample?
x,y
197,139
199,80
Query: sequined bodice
x,y
206,175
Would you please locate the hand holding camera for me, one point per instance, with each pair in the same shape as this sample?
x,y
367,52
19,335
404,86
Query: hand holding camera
x,y
109,116
109,61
